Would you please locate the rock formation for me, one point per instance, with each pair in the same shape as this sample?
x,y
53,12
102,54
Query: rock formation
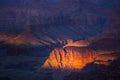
x,y
81,43
76,57
70,58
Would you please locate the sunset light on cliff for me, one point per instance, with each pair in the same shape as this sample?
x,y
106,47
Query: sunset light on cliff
x,y
59,39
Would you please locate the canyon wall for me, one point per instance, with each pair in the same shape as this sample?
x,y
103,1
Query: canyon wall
x,y
71,58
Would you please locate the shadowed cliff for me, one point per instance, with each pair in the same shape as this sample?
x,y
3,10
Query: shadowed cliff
x,y
100,72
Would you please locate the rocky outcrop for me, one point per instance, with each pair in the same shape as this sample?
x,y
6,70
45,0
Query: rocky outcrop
x,y
71,58
100,72
20,39
105,59
81,43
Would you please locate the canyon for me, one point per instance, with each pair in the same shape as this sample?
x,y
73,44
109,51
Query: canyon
x,y
59,39
46,28
65,61
75,56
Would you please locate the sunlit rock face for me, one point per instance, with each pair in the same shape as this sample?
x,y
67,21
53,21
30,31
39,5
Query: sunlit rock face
x,y
70,58
81,43
24,39
20,39
105,59
100,51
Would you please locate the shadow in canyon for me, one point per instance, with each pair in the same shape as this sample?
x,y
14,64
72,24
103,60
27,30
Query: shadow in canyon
x,y
97,72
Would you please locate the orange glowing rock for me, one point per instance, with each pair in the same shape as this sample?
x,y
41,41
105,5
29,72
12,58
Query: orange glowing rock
x,y
24,38
20,39
76,58
81,43
69,58
105,58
